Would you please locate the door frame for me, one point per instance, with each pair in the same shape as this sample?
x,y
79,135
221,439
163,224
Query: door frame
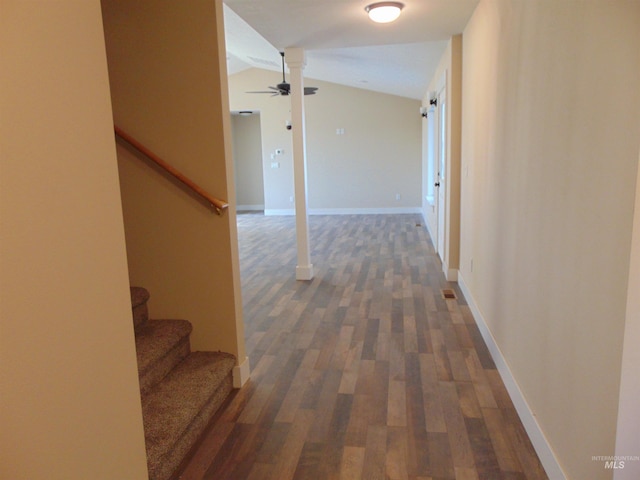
x,y
441,166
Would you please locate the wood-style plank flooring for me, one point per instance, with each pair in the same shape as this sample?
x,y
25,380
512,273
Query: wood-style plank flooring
x,y
365,372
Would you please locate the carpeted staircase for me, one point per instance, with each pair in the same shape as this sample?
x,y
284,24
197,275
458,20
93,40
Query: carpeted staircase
x,y
180,390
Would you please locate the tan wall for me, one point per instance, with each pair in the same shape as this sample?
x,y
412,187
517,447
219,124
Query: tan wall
x,y
377,157
70,401
167,85
247,160
274,112
449,69
628,418
551,115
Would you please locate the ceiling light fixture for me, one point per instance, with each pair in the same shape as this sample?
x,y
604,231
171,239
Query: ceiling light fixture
x,y
384,12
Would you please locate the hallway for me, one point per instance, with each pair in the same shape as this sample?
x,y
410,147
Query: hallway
x,y
365,372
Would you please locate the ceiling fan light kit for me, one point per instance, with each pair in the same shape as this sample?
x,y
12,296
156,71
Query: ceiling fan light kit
x,y
384,12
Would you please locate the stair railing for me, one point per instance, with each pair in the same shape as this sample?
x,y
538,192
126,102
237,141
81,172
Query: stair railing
x,y
217,204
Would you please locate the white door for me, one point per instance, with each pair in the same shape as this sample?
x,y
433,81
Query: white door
x,y
441,177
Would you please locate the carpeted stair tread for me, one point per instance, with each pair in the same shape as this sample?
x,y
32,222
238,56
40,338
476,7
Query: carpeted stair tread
x,y
160,346
176,410
139,298
139,295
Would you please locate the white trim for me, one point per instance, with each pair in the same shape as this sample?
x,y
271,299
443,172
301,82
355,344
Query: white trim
x,y
364,211
451,274
250,208
241,373
304,272
425,220
275,212
347,211
527,416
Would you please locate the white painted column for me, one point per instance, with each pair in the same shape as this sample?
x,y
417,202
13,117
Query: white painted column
x,y
295,59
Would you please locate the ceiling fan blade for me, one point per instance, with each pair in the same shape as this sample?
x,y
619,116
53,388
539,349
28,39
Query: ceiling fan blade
x,y
284,88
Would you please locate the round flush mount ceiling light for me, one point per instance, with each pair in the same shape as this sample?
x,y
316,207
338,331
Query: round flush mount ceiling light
x,y
384,12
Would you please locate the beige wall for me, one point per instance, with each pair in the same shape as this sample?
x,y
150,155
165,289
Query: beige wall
x,y
551,115
70,401
247,161
167,88
274,112
377,157
628,412
448,76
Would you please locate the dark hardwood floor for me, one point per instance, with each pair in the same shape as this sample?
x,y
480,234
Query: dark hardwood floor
x,y
365,372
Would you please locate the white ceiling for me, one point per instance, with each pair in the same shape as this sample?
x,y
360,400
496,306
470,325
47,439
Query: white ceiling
x,y
342,45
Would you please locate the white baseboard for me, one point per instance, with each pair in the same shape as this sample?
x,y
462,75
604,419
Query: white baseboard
x,y
275,212
364,211
241,373
249,208
346,211
429,229
451,274
528,418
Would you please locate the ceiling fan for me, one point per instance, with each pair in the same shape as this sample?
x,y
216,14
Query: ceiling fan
x,y
284,88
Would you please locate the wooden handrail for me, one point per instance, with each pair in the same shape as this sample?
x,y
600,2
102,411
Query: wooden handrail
x,y
217,204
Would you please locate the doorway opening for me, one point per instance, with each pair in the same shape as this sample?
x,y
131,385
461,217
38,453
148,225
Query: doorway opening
x,y
247,160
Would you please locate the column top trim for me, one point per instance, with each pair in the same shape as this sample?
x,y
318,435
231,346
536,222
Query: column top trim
x,y
295,57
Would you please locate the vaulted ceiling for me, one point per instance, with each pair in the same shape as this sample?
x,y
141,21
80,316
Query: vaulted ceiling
x,y
342,44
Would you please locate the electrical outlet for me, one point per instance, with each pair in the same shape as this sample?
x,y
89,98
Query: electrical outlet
x,y
398,196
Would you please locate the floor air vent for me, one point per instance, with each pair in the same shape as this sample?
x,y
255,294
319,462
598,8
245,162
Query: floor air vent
x,y
447,294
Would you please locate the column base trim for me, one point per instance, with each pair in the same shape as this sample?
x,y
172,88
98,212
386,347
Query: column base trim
x,y
304,272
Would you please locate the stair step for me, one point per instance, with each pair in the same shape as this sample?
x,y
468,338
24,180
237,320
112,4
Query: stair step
x,y
160,346
177,410
139,298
